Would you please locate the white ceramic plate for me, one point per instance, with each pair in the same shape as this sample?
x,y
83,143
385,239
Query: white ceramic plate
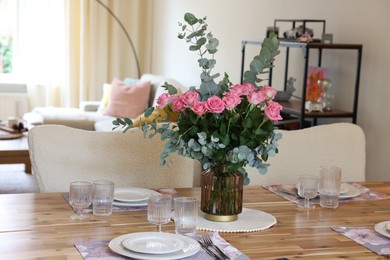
x,y
130,204
133,194
383,228
344,188
190,247
153,243
351,193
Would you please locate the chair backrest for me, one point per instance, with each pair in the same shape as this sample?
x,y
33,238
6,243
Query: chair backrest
x,y
60,155
304,151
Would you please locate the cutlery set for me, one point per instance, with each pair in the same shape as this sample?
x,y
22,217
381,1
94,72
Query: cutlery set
x,y
214,251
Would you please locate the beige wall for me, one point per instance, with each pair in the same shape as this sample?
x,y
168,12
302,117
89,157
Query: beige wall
x,y
350,21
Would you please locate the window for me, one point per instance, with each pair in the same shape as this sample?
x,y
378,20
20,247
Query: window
x,y
8,18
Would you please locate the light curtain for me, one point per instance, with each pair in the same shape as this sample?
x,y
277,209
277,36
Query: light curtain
x,y
99,48
40,43
70,48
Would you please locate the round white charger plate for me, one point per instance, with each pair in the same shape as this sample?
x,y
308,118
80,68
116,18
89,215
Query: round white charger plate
x,y
191,247
383,228
249,220
153,243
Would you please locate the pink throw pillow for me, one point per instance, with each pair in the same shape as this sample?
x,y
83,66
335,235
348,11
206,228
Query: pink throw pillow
x,y
128,101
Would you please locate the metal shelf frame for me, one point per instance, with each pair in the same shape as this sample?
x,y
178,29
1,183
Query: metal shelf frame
x,y
290,108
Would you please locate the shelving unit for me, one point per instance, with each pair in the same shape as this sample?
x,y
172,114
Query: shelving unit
x,y
296,108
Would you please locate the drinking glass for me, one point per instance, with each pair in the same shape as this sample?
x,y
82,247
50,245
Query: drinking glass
x,y
102,197
307,188
329,186
186,215
159,210
80,197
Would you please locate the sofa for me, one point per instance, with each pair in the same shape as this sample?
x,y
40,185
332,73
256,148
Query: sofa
x,y
94,116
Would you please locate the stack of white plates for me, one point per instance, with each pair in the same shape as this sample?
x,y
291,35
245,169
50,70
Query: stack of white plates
x,y
154,245
348,191
383,228
132,197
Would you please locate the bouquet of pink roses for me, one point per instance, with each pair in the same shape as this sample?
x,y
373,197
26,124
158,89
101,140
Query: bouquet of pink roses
x,y
221,125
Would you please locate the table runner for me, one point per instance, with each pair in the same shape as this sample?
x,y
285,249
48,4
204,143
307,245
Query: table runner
x,y
366,194
367,237
98,249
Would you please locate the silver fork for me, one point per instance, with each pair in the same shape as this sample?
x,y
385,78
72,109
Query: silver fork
x,y
208,242
209,251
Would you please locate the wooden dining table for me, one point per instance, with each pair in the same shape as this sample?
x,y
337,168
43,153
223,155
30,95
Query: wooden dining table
x,y
37,226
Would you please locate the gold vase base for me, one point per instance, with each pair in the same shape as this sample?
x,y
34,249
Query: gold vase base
x,y
221,218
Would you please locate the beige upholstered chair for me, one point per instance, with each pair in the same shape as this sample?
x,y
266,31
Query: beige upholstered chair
x,y
304,151
61,154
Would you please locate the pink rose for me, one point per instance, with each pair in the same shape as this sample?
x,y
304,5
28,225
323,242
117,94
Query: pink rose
x,y
269,92
256,97
163,100
199,107
242,90
272,110
189,97
178,105
215,105
248,88
231,101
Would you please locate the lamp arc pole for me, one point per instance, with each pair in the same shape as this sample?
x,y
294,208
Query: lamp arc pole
x,y
126,33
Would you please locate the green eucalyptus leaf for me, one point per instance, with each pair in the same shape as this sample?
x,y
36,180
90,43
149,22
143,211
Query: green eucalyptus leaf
x,y
198,33
190,18
128,121
148,111
208,88
194,47
203,62
201,41
172,90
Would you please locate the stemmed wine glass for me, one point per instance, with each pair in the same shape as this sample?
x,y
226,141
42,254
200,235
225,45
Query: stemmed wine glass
x,y
80,197
307,188
159,210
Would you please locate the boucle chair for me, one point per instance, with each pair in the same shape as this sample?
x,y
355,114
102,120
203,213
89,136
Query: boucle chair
x,y
304,151
61,154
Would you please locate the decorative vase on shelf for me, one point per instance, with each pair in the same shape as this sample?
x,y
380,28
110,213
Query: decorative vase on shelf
x,y
221,194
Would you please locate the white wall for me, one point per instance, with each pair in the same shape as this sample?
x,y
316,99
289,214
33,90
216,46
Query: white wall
x,y
350,21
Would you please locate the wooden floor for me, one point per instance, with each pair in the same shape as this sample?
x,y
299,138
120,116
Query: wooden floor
x,y
13,179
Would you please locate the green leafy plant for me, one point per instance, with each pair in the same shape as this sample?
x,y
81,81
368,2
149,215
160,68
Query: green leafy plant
x,y
6,53
223,125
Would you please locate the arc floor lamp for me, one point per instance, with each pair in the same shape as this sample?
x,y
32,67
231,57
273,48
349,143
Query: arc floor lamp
x,y
125,32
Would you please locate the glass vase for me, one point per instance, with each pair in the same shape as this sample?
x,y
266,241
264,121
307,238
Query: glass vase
x,y
221,194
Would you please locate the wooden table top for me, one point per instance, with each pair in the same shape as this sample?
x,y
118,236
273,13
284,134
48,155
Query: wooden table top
x,y
37,225
9,145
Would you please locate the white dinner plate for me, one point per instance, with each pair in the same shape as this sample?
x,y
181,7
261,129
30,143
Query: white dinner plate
x,y
351,193
190,247
383,228
133,194
344,188
153,243
130,204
